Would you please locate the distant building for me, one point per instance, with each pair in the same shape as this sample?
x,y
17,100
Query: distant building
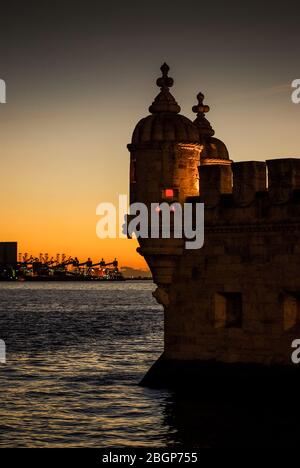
x,y
8,253
129,272
237,299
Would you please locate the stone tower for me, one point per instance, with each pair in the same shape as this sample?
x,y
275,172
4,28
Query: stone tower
x,y
236,301
164,161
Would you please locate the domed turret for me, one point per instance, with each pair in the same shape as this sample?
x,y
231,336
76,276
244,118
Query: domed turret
x,y
214,150
165,124
165,151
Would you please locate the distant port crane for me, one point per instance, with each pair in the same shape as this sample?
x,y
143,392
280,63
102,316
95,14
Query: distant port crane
x,y
65,268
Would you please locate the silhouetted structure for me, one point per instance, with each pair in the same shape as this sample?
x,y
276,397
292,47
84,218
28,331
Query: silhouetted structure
x,y
236,301
8,260
8,253
60,268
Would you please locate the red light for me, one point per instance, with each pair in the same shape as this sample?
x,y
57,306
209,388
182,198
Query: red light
x,y
169,193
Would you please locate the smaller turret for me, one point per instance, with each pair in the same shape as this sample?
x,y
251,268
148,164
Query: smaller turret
x,y
214,150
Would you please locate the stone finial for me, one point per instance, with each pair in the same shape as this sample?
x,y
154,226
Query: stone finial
x,y
200,108
201,121
165,81
164,101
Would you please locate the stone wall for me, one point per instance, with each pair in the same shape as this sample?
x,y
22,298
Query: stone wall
x,y
237,298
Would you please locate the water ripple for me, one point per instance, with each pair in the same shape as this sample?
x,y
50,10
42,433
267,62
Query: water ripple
x,y
75,353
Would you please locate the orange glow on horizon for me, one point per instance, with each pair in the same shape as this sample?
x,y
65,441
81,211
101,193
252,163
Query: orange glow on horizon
x,y
61,157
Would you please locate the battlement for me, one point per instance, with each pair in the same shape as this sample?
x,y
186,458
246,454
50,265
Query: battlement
x,y
251,191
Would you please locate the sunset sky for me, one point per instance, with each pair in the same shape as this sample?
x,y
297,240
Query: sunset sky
x,y
80,77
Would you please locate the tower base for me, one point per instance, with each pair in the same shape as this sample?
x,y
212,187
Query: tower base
x,y
209,375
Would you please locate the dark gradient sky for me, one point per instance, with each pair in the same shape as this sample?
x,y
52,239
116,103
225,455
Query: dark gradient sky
x,y
79,76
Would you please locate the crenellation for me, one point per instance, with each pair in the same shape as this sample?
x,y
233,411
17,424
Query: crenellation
x,y
215,180
249,178
257,195
283,178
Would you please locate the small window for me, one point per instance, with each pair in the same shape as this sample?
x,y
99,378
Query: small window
x,y
170,193
291,307
228,310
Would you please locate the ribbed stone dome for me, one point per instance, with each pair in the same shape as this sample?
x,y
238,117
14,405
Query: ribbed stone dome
x,y
214,149
165,126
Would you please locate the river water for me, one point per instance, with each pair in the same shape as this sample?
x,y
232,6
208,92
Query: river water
x,y
75,355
